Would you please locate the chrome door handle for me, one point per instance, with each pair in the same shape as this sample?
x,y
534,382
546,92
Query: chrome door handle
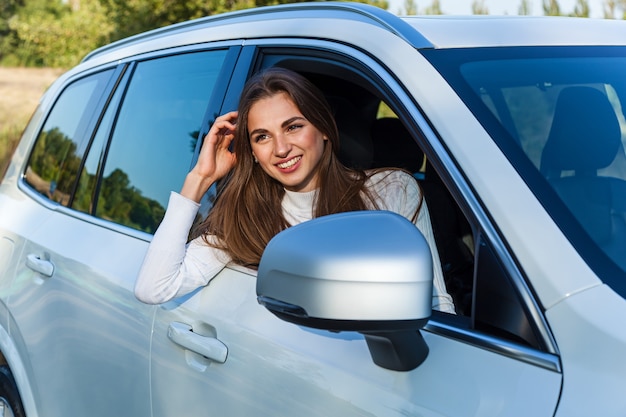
x,y
37,264
182,334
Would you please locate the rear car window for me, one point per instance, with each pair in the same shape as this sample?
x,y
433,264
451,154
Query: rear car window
x,y
154,137
55,161
117,153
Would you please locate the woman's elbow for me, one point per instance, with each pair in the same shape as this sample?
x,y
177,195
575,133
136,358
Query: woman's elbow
x,y
145,294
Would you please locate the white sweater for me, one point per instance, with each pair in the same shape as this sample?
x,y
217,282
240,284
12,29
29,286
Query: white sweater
x,y
173,268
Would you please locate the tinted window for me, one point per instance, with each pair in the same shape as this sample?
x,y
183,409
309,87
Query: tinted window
x,y
53,166
154,137
558,115
87,182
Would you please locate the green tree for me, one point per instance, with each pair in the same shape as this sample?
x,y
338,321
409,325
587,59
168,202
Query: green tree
x,y
55,162
551,8
54,33
410,7
59,33
7,10
621,5
122,203
434,8
581,9
136,16
609,9
478,7
525,8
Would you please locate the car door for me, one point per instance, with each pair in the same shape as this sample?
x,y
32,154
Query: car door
x,y
78,329
102,181
217,351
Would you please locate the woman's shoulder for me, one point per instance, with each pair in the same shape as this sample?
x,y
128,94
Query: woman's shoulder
x,y
395,190
389,176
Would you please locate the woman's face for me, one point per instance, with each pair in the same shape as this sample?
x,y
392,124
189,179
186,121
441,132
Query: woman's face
x,y
285,144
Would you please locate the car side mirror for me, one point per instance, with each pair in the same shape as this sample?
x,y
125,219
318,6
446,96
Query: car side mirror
x,y
366,271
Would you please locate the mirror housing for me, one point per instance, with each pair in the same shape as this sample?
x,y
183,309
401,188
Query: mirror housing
x,y
366,271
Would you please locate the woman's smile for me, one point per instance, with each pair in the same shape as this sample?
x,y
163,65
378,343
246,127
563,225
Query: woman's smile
x,y
290,163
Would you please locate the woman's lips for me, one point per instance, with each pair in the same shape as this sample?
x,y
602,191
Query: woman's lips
x,y
288,164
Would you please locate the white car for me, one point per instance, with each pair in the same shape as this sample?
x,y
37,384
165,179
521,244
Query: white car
x,y
514,127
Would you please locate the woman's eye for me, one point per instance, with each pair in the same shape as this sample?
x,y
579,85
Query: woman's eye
x,y
259,138
293,127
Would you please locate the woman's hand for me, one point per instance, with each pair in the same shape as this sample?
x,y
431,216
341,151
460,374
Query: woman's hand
x,y
215,159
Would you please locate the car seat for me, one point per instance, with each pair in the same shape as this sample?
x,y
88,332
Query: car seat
x,y
585,137
395,147
355,145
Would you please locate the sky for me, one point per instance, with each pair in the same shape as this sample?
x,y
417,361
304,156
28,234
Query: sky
x,y
499,6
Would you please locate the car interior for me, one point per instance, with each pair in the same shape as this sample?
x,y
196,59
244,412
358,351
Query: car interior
x,y
372,136
570,162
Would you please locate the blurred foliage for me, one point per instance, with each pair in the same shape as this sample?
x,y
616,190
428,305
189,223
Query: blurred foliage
x,y
479,7
551,8
59,33
581,9
7,9
44,33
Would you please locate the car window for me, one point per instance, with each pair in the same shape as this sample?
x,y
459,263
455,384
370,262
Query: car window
x,y
153,138
558,115
87,182
56,157
375,132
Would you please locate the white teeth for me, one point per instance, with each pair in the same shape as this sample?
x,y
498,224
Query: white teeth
x,y
289,163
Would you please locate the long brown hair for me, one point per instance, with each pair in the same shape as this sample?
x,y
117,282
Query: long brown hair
x,y
247,212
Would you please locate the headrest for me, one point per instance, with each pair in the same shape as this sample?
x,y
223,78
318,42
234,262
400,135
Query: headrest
x,y
394,146
585,135
355,144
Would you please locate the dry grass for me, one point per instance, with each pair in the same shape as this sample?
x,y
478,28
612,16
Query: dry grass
x,y
20,90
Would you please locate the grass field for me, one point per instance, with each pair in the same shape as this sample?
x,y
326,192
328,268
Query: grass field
x,y
20,90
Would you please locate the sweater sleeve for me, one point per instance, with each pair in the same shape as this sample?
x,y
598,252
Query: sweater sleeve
x,y
399,192
172,267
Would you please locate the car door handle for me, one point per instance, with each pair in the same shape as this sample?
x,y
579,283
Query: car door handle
x,y
182,334
37,264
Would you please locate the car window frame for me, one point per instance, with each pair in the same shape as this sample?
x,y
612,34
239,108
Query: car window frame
x,y
85,128
545,355
215,103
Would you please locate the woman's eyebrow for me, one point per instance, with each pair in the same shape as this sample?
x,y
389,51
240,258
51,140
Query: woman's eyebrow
x,y
291,120
257,131
283,125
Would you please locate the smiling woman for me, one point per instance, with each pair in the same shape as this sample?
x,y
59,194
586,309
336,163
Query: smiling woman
x,y
284,172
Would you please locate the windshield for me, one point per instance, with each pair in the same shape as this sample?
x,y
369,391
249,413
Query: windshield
x,y
557,113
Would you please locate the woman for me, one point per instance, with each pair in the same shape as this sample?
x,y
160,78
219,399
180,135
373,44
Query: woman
x,y
285,143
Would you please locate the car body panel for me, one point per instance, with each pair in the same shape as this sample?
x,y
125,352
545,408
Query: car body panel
x,y
495,31
277,368
86,307
589,328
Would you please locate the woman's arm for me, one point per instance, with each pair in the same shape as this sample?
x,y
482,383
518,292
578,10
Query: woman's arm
x,y
172,267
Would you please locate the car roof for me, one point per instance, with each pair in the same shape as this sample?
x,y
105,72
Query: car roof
x,y
442,31
473,31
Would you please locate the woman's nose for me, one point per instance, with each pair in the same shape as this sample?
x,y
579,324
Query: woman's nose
x,y
281,146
